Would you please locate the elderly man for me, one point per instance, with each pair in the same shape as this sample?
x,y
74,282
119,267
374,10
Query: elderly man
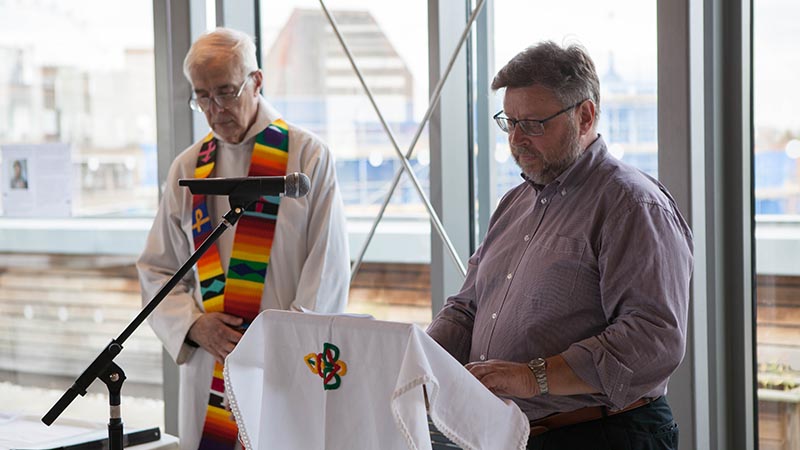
x,y
575,305
284,254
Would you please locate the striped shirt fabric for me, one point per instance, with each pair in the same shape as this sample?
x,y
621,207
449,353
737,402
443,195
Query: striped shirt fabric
x,y
595,266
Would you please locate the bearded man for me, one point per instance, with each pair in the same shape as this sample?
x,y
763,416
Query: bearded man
x,y
575,305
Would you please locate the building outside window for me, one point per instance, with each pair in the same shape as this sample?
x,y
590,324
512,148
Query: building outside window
x,y
85,81
77,102
777,221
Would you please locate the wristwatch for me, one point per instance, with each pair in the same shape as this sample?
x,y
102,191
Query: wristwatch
x,y
538,367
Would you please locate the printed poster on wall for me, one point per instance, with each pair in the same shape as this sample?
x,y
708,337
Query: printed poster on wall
x,y
36,180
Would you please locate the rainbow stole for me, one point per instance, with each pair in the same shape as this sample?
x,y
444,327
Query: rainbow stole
x,y
241,293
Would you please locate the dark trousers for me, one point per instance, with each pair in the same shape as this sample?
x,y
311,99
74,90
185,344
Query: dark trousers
x,y
650,427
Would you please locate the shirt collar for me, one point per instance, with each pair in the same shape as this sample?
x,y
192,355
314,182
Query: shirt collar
x,y
537,187
265,115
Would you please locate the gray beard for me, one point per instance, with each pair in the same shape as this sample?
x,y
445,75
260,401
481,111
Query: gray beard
x,y
571,151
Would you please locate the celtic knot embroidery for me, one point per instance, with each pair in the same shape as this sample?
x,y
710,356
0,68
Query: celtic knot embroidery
x,y
327,365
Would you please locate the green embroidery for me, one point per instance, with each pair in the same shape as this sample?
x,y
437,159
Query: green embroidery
x,y
327,365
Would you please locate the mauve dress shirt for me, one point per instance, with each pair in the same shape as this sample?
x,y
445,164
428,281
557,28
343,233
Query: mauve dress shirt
x,y
595,266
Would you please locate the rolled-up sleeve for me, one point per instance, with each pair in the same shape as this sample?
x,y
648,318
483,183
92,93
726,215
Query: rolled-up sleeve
x,y
452,326
645,264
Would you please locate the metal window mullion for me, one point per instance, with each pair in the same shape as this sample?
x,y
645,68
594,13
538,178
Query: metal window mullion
x,y
173,26
241,15
681,167
449,144
732,315
485,131
713,392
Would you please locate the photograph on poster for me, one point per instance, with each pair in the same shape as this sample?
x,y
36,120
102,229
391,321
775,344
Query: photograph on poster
x,y
19,174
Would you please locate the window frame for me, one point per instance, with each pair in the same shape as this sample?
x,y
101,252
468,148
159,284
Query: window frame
x,y
704,108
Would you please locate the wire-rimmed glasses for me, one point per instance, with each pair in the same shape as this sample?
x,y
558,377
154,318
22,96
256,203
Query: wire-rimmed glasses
x,y
224,101
530,127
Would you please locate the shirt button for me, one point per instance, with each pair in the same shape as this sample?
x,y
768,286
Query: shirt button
x,y
509,276
544,201
563,192
483,357
527,237
494,315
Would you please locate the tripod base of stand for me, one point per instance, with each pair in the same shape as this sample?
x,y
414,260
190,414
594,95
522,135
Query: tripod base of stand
x,y
103,366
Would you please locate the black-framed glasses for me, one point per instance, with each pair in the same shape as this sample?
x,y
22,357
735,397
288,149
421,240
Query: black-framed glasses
x,y
224,101
531,127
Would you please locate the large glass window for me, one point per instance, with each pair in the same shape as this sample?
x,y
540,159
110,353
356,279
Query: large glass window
x,y
626,66
777,224
309,79
79,184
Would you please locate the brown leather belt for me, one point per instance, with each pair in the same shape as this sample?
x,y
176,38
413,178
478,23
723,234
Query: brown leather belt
x,y
587,414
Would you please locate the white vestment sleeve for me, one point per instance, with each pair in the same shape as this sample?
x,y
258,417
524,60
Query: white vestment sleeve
x,y
167,248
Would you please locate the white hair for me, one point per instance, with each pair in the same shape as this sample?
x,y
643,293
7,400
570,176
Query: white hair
x,y
222,44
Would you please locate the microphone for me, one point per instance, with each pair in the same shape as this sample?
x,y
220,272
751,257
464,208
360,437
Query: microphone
x,y
293,185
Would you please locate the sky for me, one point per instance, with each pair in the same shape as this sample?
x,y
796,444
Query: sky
x,y
81,33
776,62
624,28
90,33
518,24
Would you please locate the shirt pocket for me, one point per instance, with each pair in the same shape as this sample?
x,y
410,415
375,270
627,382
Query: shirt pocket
x,y
553,267
564,245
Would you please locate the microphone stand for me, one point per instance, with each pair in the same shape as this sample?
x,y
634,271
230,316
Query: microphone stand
x,y
103,366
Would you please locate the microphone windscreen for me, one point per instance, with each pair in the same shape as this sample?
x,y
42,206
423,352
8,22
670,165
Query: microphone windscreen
x,y
297,185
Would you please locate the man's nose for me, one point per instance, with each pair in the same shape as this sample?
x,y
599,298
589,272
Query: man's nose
x,y
515,135
213,107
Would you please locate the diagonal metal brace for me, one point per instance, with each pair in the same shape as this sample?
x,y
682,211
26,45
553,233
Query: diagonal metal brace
x,y
435,96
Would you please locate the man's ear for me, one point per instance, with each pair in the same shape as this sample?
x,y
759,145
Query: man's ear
x,y
586,117
258,81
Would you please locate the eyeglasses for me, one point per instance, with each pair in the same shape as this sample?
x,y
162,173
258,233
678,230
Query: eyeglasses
x,y
224,101
531,127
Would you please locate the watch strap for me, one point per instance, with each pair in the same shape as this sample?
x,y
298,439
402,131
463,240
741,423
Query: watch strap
x,y
538,367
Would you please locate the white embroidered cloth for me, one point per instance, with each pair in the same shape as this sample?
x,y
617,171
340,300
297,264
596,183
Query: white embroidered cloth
x,y
375,371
